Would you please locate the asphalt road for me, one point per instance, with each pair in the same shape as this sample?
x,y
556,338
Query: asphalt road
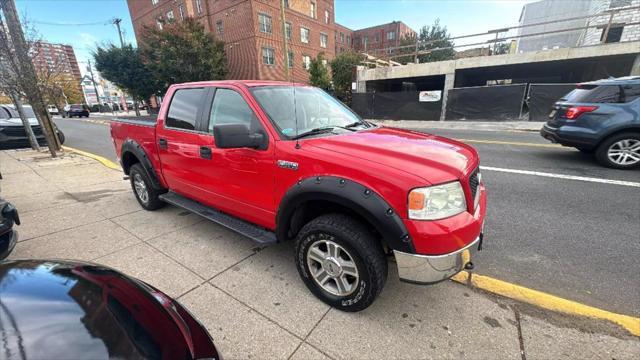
x,y
576,239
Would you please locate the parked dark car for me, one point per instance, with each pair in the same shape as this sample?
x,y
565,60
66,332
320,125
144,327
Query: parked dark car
x,y
8,236
12,134
78,110
601,117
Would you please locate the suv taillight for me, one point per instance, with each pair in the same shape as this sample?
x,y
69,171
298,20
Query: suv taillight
x,y
575,111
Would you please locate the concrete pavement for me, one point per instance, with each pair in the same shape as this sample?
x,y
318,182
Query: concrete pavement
x,y
251,299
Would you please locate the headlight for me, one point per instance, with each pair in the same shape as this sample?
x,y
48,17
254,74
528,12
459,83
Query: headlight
x,y
437,202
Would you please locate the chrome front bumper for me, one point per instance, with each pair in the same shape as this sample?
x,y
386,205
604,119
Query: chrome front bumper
x,y
430,269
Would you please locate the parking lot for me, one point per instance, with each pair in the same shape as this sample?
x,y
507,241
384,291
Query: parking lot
x,y
251,299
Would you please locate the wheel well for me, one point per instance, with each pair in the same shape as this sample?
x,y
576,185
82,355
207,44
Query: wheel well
x,y
312,209
128,159
618,132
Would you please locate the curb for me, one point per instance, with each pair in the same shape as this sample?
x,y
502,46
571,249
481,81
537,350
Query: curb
x,y
546,301
104,161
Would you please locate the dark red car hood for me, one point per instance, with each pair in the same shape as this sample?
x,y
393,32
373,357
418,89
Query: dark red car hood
x,y
433,158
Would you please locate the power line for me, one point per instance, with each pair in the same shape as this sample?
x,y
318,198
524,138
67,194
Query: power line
x,y
106,22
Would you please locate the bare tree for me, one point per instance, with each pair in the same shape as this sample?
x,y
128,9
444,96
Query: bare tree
x,y
22,75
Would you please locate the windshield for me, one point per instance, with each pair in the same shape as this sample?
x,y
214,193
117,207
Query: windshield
x,y
28,111
314,109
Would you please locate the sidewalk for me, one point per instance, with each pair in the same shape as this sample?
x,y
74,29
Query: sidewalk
x,y
251,298
464,125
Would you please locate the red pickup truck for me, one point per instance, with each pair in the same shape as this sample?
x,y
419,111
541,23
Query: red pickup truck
x,y
277,162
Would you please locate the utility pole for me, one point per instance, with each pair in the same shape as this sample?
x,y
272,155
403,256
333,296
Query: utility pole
x,y
29,79
285,43
116,22
95,86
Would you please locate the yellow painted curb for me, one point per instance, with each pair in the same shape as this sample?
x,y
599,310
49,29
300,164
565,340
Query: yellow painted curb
x,y
104,161
547,301
555,146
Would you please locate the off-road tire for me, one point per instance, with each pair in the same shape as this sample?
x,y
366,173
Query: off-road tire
x,y
603,150
362,247
152,202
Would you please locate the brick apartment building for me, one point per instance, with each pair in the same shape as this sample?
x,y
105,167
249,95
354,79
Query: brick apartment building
x,y
381,36
252,31
58,59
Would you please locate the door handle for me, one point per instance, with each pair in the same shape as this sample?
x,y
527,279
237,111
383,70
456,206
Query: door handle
x,y
205,152
163,143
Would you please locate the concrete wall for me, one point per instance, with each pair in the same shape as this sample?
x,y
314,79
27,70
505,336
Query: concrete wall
x,y
550,10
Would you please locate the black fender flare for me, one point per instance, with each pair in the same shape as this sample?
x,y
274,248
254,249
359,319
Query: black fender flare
x,y
353,195
132,146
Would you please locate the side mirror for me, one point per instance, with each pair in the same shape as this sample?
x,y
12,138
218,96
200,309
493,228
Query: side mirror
x,y
229,136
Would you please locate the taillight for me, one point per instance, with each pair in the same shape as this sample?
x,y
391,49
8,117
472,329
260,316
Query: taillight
x,y
575,111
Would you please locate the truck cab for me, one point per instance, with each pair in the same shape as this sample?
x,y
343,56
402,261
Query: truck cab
x,y
282,162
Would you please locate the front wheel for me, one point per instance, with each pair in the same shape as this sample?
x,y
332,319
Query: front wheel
x,y
340,262
620,151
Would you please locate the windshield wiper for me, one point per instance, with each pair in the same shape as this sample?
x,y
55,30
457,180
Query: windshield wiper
x,y
314,132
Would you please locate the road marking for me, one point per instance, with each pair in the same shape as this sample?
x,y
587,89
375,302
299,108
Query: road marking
x,y
555,146
104,161
562,176
546,301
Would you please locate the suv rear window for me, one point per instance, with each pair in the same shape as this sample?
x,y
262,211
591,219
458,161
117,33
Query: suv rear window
x,y
603,94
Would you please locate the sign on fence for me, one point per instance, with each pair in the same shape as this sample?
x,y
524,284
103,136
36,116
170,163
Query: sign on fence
x,y
430,96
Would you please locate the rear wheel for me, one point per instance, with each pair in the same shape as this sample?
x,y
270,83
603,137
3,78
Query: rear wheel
x,y
620,151
340,262
147,196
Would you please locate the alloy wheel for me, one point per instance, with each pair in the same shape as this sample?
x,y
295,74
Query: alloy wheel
x,y
141,188
625,152
332,267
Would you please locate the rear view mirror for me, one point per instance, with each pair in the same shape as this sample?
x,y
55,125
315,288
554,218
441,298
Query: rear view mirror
x,y
229,136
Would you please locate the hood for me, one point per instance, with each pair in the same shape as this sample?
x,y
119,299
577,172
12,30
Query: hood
x,y
433,158
17,122
71,310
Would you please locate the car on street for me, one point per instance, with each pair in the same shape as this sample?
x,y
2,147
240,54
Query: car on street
x,y
12,132
8,235
53,110
601,117
79,110
57,309
277,162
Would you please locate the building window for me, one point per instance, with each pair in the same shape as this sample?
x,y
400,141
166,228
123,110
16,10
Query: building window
x,y
181,11
326,16
286,4
199,6
170,17
304,35
365,41
614,34
348,39
159,22
287,30
264,21
290,59
342,38
154,2
377,38
619,3
268,56
324,39
391,35
312,10
324,62
219,27
306,62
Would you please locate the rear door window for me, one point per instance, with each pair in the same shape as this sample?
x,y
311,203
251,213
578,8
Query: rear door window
x,y
594,94
183,110
630,92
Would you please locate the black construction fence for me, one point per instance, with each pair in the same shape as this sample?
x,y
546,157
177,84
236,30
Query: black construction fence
x,y
488,103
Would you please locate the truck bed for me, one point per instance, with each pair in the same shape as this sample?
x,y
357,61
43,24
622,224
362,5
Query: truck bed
x,y
140,130
149,120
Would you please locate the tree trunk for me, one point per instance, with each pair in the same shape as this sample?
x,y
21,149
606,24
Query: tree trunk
x,y
25,122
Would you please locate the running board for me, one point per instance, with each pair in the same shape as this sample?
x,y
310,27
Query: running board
x,y
253,232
